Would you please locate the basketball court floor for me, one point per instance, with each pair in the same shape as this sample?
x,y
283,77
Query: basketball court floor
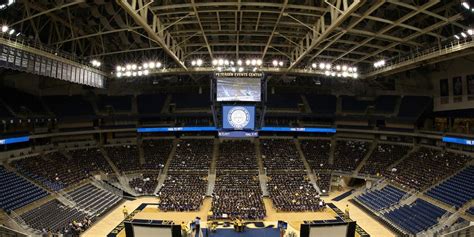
x,y
109,222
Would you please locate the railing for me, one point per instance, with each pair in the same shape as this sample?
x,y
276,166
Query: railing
x,y
7,232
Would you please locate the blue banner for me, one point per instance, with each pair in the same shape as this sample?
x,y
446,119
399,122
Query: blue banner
x,y
458,140
178,129
288,129
7,141
238,134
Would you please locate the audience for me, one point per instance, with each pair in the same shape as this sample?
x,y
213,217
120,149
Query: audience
x,y
436,166
125,158
349,154
145,184
156,153
280,154
316,153
323,180
237,155
182,191
383,156
237,195
56,171
192,154
293,192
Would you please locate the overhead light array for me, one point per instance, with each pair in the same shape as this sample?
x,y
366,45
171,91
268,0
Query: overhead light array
x,y
464,35
7,30
336,71
278,63
95,63
134,70
240,65
379,63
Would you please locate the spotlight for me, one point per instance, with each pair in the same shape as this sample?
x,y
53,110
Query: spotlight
x,y
470,32
221,62
241,69
259,62
466,5
463,34
328,66
4,28
219,69
280,63
226,62
214,62
145,65
333,73
11,32
327,73
134,74
275,63
158,65
128,73
151,65
193,63
254,62
199,62
119,68
134,66
232,69
146,72
344,74
232,62
338,67
314,65
247,62
140,73
322,66
355,75
344,68
119,74
239,62
355,69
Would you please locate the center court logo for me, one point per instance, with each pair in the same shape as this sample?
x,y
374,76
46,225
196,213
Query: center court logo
x,y
238,117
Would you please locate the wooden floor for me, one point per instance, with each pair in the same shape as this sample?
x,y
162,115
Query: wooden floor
x,y
115,217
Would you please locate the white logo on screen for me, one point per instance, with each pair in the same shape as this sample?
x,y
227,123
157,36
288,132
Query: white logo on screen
x,y
238,117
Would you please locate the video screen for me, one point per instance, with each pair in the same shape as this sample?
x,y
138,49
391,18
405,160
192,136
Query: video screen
x,y
239,89
238,117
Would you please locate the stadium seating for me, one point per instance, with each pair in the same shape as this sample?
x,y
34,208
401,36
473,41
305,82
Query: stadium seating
x,y
383,156
116,103
436,166
411,107
191,100
125,157
150,103
156,153
383,198
145,184
416,217
292,192
192,154
280,154
93,199
316,153
470,211
69,106
348,154
237,155
237,195
323,180
16,192
322,105
457,190
385,104
182,191
352,104
53,216
283,101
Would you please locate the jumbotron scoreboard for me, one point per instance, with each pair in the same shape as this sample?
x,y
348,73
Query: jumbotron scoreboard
x,y
238,102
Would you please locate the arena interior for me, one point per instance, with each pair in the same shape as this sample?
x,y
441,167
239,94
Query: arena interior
x,y
245,118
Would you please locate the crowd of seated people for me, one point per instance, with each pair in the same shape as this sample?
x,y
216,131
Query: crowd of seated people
x,y
16,192
156,152
54,219
383,156
293,192
237,155
436,166
145,184
280,154
182,191
56,171
323,180
348,154
316,153
192,154
237,195
125,158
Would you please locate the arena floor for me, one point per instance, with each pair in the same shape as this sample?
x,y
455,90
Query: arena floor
x,y
114,218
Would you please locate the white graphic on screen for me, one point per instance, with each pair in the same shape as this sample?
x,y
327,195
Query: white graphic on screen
x,y
238,117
